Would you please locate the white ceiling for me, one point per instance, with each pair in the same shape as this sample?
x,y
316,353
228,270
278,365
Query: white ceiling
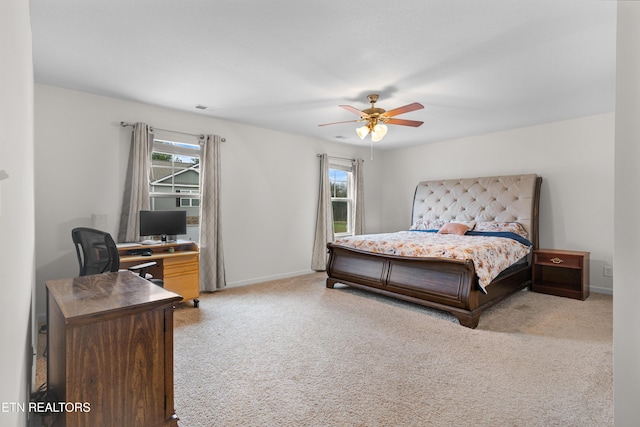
x,y
476,65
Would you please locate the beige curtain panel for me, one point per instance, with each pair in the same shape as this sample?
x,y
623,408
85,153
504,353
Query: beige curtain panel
x,y
212,272
324,219
136,191
358,187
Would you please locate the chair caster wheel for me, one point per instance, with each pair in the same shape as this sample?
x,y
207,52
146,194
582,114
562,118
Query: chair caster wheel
x,y
196,303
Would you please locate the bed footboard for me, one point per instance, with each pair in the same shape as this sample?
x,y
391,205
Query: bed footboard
x,y
443,284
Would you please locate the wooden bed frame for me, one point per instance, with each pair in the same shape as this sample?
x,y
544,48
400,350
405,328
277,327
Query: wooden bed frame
x,y
446,284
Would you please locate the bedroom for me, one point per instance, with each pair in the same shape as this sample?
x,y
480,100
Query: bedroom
x,y
88,126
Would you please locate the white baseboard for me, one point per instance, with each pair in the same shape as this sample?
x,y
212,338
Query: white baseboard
x,y
598,290
267,278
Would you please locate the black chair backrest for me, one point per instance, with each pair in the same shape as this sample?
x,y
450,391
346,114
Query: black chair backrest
x,y
96,250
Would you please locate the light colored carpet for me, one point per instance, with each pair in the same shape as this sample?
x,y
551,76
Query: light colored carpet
x,y
293,353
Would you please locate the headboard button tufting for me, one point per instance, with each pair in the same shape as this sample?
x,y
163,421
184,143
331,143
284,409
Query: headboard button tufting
x,y
503,198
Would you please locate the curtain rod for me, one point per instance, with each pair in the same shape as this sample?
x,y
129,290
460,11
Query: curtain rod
x,y
335,157
201,136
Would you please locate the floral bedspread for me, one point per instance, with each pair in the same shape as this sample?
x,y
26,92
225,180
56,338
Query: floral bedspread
x,y
490,255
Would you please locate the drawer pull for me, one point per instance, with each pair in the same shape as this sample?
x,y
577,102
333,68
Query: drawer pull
x,y
556,260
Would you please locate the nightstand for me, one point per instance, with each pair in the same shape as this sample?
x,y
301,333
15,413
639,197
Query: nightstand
x,y
562,273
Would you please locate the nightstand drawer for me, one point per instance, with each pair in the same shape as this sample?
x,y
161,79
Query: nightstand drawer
x,y
558,259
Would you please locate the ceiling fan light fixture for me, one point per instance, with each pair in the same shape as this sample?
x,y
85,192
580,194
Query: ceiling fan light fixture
x,y
379,131
375,118
362,131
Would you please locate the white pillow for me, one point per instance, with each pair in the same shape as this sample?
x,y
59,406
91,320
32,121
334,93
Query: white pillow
x,y
427,224
512,227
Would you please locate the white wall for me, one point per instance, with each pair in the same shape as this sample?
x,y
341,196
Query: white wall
x,y
269,183
574,158
16,207
626,316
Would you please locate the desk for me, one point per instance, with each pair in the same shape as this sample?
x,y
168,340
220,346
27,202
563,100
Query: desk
x,y
110,344
178,265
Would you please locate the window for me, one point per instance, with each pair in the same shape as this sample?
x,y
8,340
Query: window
x,y
188,202
341,182
174,181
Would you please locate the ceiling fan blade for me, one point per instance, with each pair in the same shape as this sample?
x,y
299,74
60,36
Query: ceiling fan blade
x,y
404,109
337,123
414,123
354,110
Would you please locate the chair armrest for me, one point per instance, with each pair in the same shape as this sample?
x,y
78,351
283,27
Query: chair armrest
x,y
143,266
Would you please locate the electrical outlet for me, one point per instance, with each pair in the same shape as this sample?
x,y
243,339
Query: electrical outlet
x,y
608,271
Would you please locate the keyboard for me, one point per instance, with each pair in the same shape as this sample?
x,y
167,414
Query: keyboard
x,y
150,242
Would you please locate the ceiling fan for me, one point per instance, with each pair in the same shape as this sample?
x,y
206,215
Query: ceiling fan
x,y
376,119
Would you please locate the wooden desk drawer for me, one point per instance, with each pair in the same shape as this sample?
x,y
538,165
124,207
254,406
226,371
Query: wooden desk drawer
x,y
186,285
179,258
558,259
180,269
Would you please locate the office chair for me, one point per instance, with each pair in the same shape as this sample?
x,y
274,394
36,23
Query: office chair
x,y
98,253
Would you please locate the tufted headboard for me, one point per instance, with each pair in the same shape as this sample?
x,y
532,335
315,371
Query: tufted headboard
x,y
512,198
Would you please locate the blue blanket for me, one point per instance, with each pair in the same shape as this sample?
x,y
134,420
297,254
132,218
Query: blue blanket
x,y
506,234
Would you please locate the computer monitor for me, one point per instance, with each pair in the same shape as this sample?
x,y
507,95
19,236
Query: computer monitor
x,y
163,223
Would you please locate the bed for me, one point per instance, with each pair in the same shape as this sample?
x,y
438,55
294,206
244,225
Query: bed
x,y
492,208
